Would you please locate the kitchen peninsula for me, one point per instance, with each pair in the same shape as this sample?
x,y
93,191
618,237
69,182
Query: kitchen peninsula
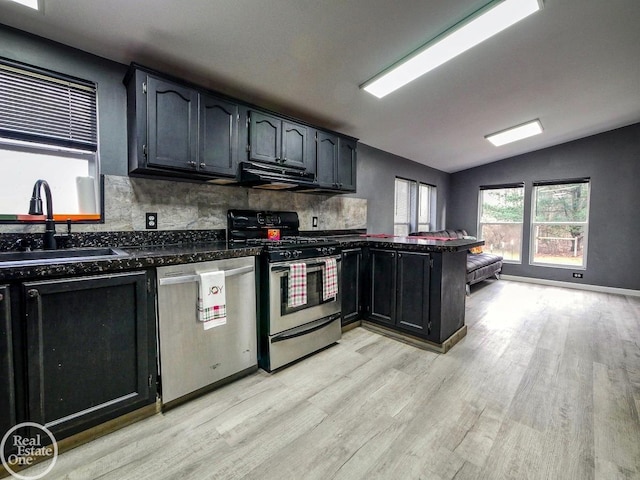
x,y
410,289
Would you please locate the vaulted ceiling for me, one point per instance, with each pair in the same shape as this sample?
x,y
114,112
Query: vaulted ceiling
x,y
575,65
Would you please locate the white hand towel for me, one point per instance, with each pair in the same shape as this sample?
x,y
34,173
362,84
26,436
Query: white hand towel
x,y
212,303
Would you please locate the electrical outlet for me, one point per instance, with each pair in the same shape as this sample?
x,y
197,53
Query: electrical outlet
x,y
577,275
151,221
314,222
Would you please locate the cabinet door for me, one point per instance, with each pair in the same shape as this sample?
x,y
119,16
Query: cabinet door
x,y
414,278
264,137
351,285
218,136
382,294
346,167
294,145
90,350
172,122
327,156
7,396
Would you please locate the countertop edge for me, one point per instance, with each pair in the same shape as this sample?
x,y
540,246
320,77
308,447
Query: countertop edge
x,y
140,258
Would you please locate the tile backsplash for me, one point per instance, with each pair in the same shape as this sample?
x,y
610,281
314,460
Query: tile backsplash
x,y
195,206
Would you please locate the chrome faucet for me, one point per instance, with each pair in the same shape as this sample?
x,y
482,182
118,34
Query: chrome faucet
x,y
35,208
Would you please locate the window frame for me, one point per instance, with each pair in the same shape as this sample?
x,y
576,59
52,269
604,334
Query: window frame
x,y
20,132
533,223
414,193
483,188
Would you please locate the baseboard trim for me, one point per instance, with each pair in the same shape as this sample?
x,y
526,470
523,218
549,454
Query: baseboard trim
x,y
414,341
577,286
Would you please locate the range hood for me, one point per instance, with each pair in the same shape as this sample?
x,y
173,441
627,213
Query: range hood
x,y
273,177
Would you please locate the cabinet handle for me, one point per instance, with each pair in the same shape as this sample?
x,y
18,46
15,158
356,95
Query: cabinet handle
x,y
203,165
1,297
33,293
191,164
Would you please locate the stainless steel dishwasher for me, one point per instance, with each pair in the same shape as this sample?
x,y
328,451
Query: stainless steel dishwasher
x,y
193,359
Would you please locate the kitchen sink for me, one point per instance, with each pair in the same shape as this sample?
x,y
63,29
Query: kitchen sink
x,y
36,257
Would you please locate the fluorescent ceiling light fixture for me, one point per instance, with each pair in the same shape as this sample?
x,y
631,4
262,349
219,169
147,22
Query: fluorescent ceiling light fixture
x,y
486,22
28,3
514,134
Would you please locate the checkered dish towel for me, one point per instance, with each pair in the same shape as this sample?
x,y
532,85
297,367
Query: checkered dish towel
x,y
212,302
330,279
297,285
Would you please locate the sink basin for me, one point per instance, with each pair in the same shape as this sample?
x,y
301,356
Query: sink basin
x,y
36,257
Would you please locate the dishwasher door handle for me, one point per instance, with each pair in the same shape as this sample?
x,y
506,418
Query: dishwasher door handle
x,y
195,278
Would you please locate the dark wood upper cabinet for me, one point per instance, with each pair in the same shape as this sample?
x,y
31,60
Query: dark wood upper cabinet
x,y
172,119
178,130
279,141
336,162
265,132
327,157
218,136
295,149
346,165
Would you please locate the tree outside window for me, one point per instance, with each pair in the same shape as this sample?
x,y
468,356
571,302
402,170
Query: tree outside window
x,y
500,221
560,223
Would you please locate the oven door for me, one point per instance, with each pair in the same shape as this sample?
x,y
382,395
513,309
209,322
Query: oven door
x,y
282,317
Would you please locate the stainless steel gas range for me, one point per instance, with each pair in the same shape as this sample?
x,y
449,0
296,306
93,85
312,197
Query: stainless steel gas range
x,y
287,333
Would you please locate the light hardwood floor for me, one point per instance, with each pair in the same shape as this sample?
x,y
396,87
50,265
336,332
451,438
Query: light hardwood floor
x,y
545,385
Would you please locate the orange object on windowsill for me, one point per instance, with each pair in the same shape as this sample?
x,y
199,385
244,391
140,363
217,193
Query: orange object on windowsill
x,y
62,217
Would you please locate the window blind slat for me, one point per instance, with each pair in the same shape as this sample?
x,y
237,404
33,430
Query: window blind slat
x,y
36,106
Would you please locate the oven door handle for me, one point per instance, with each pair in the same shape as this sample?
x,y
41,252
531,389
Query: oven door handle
x,y
309,265
304,330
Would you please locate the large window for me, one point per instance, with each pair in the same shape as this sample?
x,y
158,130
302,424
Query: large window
x,y
48,131
500,220
414,208
559,223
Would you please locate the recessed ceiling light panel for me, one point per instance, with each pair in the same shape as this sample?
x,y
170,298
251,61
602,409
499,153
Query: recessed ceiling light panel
x,y
514,134
486,22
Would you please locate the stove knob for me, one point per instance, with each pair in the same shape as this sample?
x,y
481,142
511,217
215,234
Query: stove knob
x,y
296,253
286,254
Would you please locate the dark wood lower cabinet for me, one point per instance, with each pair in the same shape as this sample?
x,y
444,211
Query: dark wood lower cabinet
x,y
412,294
351,285
382,286
420,294
7,386
90,349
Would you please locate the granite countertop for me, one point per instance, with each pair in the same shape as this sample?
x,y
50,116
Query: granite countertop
x,y
136,258
150,256
406,243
